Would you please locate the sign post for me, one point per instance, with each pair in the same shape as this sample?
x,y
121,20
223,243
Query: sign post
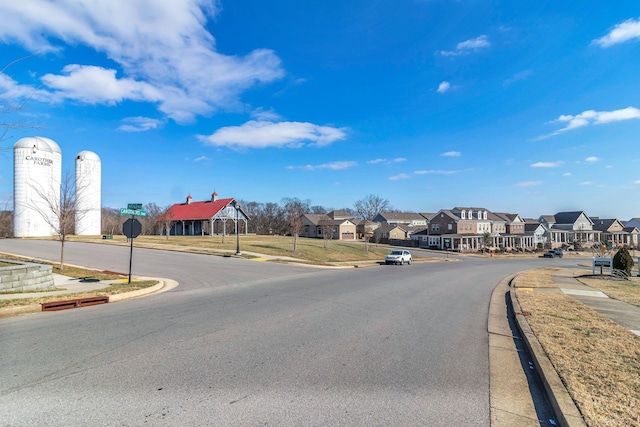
x,y
132,227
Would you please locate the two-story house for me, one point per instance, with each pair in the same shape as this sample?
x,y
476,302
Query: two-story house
x,y
570,228
318,225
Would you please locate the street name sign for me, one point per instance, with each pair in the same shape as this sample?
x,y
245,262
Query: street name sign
x,y
136,212
134,206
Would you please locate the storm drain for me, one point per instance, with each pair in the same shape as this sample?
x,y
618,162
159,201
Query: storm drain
x,y
73,303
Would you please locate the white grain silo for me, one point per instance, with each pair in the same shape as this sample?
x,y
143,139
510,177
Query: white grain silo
x,y
88,194
37,173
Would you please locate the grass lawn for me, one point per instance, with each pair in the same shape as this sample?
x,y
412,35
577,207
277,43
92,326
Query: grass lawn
x,y
597,359
311,251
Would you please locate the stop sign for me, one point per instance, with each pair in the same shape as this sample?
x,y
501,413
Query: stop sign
x,y
132,228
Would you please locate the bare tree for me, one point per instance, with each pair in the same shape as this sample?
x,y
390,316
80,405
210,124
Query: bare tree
x,y
152,222
59,210
6,221
293,209
326,225
110,220
166,219
369,207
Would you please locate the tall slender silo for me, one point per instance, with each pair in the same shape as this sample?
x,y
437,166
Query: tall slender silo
x,y
37,174
88,193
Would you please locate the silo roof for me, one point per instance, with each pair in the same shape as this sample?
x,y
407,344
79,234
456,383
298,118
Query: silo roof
x,y
89,155
40,142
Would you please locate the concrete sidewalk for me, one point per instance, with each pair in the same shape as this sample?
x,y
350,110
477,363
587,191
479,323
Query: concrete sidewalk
x,y
622,313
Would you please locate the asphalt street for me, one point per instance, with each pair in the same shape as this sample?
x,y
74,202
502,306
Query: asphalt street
x,y
242,342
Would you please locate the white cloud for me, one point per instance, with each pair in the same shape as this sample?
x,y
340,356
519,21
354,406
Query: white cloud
x,y
591,159
528,183
523,75
567,174
625,31
468,46
595,117
263,133
547,164
436,172
139,124
201,159
444,87
451,154
637,182
586,183
162,49
340,165
387,161
399,177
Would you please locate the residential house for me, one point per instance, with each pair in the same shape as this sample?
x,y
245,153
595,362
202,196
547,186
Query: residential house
x,y
387,233
613,232
570,228
206,217
316,225
365,228
537,231
401,218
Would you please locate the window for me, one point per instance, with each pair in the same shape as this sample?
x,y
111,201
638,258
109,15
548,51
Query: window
x,y
463,214
435,227
449,227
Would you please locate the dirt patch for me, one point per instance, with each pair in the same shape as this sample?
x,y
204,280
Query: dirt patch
x,y
598,360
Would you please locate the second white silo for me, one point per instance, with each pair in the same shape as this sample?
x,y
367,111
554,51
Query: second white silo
x,y
37,173
88,194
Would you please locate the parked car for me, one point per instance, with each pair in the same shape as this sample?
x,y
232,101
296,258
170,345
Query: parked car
x,y
553,254
398,257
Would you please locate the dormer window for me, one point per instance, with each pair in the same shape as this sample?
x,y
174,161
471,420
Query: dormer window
x,y
463,214
484,215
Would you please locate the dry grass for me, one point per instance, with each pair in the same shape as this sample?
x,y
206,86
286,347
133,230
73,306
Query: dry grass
x,y
308,250
598,360
623,290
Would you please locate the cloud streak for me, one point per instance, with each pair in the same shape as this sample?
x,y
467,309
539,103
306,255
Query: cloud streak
x,y
468,46
590,117
623,32
339,165
263,134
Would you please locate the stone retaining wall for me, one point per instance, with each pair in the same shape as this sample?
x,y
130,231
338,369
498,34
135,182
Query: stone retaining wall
x,y
25,276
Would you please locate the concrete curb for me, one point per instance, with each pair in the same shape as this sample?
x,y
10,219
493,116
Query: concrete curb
x,y
563,405
163,285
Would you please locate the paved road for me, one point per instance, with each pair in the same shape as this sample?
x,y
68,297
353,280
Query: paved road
x,y
248,343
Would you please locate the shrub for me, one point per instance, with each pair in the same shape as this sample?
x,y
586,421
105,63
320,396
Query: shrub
x,y
622,260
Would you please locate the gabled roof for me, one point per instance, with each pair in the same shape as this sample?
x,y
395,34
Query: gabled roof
x,y
339,214
401,216
508,217
569,217
318,219
197,210
603,224
388,227
532,226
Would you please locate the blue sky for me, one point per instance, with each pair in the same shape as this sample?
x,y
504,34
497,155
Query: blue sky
x,y
528,107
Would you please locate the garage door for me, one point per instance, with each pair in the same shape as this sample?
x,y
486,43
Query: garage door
x,y
347,236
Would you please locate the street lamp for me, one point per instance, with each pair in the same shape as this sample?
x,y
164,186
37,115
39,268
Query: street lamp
x,y
236,205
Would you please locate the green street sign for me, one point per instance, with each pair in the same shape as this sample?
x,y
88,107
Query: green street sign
x,y
137,206
136,212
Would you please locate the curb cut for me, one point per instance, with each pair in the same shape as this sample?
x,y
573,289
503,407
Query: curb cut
x,y
563,405
163,286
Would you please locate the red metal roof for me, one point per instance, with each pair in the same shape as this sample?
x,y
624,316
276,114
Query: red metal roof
x,y
197,210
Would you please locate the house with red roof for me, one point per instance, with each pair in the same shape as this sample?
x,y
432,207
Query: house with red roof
x,y
214,216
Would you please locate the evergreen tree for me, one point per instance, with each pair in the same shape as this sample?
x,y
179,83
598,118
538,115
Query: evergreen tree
x,y
622,260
